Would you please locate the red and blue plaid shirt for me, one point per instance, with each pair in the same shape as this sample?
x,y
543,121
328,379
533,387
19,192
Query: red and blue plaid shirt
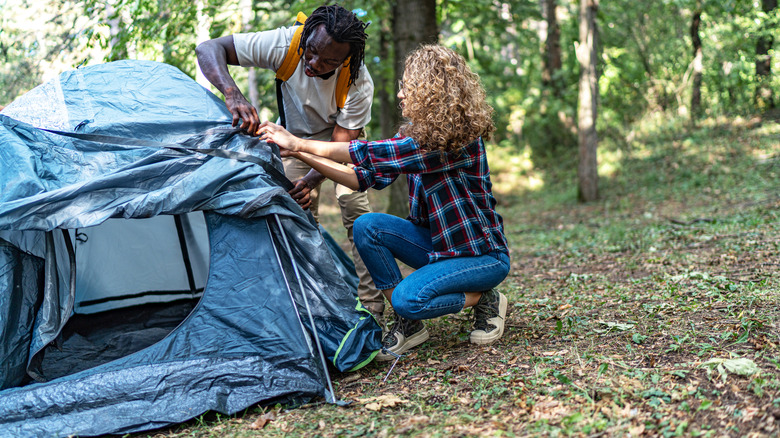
x,y
450,193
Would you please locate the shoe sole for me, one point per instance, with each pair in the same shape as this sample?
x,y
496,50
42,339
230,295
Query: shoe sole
x,y
488,338
411,342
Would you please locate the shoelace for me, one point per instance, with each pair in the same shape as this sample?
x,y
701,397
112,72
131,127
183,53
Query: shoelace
x,y
482,312
399,325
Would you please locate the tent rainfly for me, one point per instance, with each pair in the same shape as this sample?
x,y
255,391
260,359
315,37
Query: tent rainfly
x,y
152,265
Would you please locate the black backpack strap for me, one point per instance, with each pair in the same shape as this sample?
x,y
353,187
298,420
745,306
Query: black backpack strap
x,y
280,103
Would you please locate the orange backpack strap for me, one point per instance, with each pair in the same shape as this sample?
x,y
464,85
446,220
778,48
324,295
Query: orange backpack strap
x,y
290,64
293,56
342,85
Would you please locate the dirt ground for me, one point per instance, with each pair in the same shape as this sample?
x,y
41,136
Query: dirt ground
x,y
631,342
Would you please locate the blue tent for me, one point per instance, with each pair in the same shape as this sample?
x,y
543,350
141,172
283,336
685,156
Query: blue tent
x,y
152,265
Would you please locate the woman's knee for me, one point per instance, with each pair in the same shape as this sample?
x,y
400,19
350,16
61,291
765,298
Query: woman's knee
x,y
407,305
360,228
406,309
370,226
364,222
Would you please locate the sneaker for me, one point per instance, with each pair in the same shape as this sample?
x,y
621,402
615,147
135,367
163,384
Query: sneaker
x,y
379,316
489,314
403,335
380,319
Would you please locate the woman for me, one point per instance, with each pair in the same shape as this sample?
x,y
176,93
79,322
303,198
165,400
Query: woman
x,y
453,236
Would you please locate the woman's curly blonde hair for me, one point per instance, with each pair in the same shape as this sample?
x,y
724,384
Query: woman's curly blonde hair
x,y
444,101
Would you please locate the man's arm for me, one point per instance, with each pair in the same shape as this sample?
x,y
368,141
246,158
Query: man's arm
x,y
213,59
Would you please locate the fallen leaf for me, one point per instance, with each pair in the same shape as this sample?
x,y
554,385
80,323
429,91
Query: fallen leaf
x,y
741,366
382,401
748,414
351,378
417,419
262,421
463,400
614,326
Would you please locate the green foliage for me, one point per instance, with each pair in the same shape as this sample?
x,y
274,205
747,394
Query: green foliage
x,y
37,40
645,56
161,30
495,39
18,69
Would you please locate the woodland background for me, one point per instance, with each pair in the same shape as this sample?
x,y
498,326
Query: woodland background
x,y
619,62
650,309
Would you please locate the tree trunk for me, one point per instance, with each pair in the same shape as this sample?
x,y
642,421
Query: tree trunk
x,y
389,116
414,23
115,49
764,98
588,102
697,63
552,48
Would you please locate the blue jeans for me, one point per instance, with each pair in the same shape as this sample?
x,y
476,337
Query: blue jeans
x,y
434,289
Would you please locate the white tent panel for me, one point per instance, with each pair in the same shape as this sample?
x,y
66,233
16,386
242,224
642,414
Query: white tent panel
x,y
128,262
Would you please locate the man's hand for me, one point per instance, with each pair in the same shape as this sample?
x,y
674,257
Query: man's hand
x,y
301,192
285,153
241,109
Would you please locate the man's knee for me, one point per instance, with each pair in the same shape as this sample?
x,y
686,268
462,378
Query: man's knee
x,y
353,206
368,221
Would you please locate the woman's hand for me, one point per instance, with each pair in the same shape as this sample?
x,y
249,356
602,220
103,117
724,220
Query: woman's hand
x,y
273,133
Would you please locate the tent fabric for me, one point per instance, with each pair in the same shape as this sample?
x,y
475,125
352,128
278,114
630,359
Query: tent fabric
x,y
98,161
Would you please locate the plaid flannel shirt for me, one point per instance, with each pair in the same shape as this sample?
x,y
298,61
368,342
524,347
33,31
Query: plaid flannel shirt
x,y
450,193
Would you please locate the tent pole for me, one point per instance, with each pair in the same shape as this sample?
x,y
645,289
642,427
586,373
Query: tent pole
x,y
308,310
289,291
185,253
72,260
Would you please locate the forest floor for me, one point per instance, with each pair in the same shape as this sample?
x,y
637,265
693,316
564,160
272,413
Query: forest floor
x,y
652,312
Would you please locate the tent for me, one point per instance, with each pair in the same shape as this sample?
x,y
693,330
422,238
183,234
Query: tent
x,y
152,265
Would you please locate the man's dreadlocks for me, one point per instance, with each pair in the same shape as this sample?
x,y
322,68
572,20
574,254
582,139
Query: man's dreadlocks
x,y
344,27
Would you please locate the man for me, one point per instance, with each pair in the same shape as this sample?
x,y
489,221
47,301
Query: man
x,y
330,36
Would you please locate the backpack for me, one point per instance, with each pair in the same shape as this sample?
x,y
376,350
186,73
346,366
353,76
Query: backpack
x,y
290,63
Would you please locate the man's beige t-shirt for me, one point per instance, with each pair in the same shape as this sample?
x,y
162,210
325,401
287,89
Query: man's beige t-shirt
x,y
309,103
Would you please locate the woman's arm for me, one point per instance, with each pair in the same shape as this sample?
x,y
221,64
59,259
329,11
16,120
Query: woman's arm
x,y
334,150
333,170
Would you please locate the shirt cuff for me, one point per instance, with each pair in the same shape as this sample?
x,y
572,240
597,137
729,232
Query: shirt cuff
x,y
358,152
365,179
